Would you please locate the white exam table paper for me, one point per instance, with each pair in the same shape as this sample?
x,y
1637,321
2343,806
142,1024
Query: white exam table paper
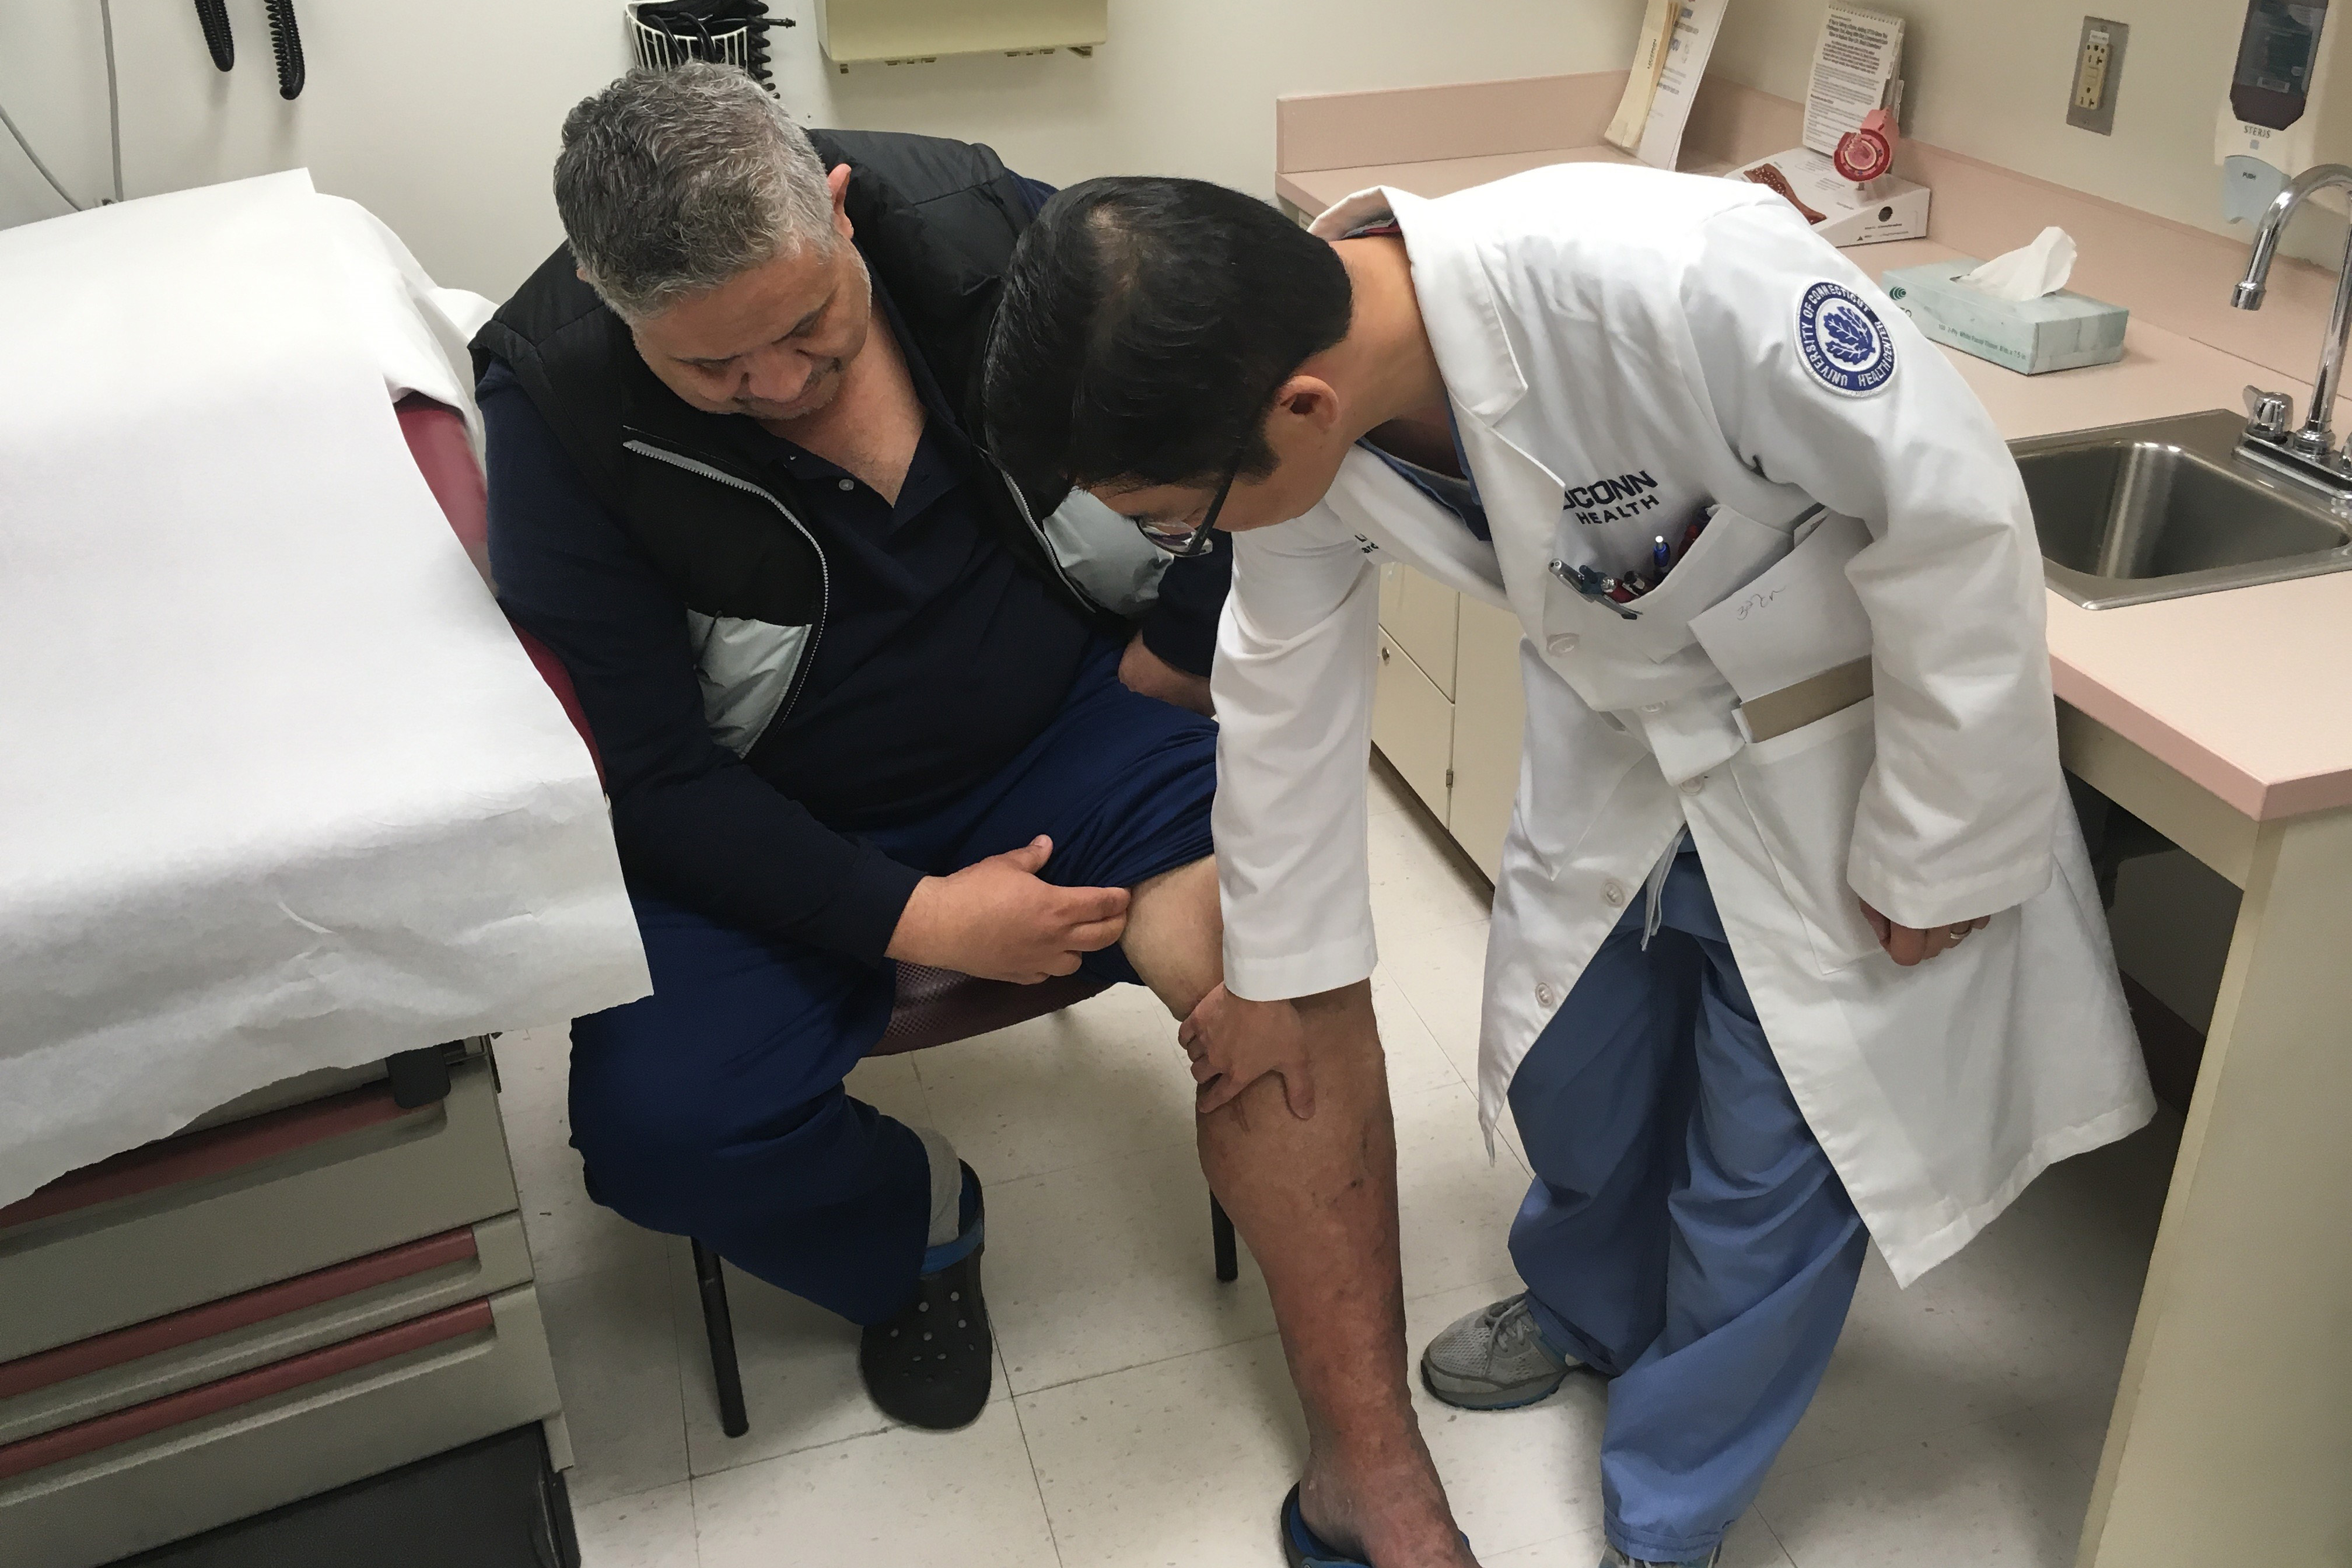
x,y
278,788
1797,619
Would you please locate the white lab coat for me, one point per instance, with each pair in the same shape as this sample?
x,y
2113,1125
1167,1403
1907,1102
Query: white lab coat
x,y
1592,321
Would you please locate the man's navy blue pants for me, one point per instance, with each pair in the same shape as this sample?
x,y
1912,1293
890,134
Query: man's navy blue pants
x,y
714,1108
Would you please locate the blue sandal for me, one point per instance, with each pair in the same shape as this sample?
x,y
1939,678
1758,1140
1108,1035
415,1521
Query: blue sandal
x,y
1302,1548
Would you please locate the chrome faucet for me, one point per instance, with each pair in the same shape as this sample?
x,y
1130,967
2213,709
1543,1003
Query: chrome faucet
x,y
2310,453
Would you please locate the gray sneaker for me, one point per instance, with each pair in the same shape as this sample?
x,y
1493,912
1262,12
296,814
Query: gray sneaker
x,y
1495,1359
1612,1558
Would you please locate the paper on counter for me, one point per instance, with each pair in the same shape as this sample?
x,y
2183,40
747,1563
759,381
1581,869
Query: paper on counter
x,y
1799,618
1856,64
2030,271
1658,19
1696,23
278,788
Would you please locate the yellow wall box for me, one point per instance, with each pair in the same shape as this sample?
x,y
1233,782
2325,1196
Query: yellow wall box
x,y
857,31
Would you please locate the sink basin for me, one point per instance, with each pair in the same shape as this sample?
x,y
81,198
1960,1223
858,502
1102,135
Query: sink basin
x,y
2165,508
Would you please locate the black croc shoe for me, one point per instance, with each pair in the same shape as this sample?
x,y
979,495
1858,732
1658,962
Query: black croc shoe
x,y
931,1365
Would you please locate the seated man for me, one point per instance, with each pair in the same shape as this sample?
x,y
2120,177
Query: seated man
x,y
853,708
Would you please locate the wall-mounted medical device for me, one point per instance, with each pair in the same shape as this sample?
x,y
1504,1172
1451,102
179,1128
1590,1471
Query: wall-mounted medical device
x,y
285,41
894,31
664,32
2287,104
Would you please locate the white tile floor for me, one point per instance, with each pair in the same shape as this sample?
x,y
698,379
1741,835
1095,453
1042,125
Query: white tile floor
x,y
1142,1417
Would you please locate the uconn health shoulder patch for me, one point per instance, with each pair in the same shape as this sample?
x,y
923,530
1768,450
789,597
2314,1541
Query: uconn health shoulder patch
x,y
1843,342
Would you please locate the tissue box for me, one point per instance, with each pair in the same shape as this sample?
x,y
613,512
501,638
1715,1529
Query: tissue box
x,y
2061,331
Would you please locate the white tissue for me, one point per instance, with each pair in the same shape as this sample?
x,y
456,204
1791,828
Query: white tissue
x,y
2031,270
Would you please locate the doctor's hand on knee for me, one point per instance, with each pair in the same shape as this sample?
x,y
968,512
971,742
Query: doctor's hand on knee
x,y
998,920
1234,1042
1909,945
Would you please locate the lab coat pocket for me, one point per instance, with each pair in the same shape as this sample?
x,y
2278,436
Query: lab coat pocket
x,y
1731,553
1802,790
1794,620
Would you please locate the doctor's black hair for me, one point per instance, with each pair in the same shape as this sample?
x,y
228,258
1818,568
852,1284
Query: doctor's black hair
x,y
1145,326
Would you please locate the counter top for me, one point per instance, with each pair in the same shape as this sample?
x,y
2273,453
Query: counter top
x,y
2248,692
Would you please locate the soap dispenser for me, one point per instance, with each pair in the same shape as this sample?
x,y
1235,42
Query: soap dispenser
x,y
2286,108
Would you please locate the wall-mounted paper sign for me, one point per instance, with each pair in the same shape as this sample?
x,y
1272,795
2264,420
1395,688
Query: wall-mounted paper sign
x,y
1854,101
1857,67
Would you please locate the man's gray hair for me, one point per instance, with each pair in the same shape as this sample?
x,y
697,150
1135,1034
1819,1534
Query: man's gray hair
x,y
672,182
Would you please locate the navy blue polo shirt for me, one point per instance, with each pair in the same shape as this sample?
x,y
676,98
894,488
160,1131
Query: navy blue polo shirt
x,y
941,657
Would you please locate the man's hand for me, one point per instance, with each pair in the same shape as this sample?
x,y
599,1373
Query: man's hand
x,y
1909,945
999,921
1235,1042
1143,671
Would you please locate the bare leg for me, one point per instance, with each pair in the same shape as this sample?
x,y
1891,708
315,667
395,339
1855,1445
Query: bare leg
x,y
1316,1201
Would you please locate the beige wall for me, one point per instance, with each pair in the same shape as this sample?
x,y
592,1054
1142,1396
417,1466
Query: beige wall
x,y
1992,77
441,115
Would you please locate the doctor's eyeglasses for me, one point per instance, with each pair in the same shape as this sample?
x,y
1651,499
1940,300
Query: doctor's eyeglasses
x,y
1182,542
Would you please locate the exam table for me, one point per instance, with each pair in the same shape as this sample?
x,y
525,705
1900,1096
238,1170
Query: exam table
x,y
305,1324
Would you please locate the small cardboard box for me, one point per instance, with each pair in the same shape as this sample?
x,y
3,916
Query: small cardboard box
x,y
2057,331
1887,209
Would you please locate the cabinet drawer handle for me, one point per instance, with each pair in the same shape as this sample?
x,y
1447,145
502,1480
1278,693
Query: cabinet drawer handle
x,y
177,1329
1384,655
216,1152
120,1426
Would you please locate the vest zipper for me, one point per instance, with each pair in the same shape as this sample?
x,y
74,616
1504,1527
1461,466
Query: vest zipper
x,y
1021,504
823,572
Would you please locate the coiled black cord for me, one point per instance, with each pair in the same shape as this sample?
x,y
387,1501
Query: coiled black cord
x,y
756,46
287,39
213,16
692,24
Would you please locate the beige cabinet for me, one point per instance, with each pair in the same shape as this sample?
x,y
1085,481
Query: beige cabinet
x,y
1448,711
1413,724
1490,713
1425,624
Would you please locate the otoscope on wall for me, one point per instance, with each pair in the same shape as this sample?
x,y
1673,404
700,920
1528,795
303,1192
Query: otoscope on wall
x,y
285,38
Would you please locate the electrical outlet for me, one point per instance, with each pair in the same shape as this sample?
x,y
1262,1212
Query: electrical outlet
x,y
2098,71
2090,85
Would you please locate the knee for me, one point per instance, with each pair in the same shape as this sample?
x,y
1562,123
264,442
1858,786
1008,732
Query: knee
x,y
631,1130
643,1112
1175,935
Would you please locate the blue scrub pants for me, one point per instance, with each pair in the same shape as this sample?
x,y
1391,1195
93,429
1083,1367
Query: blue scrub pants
x,y
714,1108
1685,1236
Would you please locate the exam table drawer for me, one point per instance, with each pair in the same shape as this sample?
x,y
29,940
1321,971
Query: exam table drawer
x,y
209,1215
220,1451
88,1378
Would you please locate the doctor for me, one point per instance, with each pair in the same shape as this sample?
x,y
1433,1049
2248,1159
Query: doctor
x,y
1795,945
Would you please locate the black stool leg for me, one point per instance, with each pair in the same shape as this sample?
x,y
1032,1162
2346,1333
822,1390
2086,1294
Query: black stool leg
x,y
721,1329
1220,1232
